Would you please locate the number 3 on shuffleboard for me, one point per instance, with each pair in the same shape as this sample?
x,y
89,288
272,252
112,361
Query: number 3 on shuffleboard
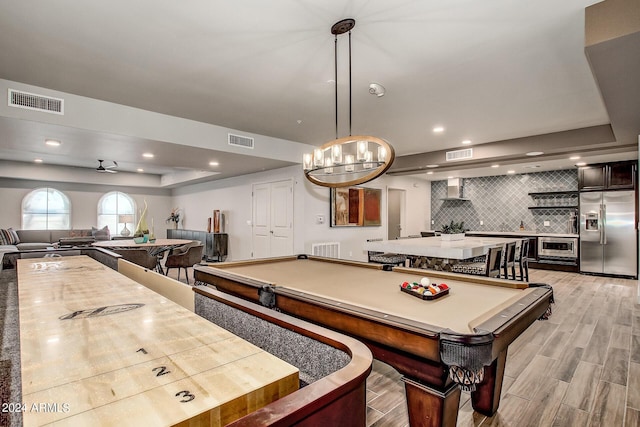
x,y
188,397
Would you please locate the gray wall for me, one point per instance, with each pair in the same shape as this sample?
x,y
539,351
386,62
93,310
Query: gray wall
x,y
501,202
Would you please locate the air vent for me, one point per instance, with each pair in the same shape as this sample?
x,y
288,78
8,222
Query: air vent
x,y
31,101
240,141
465,154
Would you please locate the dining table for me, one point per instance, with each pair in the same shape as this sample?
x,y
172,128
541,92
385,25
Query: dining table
x,y
155,248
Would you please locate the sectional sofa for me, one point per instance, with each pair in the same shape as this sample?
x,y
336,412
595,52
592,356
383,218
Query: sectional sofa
x,y
42,239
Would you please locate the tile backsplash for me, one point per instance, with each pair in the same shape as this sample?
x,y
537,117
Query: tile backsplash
x,y
501,202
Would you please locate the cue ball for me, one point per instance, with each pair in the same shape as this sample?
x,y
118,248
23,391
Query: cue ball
x,y
425,281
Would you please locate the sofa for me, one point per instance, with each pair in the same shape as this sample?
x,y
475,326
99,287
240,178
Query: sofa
x,y
25,240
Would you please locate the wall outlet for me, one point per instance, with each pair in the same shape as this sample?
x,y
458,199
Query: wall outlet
x,y
547,223
350,254
319,219
481,222
432,222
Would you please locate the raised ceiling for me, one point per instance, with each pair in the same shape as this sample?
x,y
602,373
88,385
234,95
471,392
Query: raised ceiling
x,y
487,71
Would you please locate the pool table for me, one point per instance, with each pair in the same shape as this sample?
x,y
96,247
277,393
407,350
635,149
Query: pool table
x,y
457,341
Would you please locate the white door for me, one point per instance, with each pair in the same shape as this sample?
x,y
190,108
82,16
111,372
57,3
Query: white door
x,y
273,219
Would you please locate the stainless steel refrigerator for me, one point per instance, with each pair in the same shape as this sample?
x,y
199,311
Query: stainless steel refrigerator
x,y
608,233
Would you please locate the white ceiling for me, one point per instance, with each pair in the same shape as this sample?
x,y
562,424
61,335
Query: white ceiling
x,y
485,70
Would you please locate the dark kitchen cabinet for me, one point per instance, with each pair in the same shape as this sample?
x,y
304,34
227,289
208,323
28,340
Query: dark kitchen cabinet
x,y
609,176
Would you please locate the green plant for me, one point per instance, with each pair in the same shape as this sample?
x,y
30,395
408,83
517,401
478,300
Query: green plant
x,y
453,228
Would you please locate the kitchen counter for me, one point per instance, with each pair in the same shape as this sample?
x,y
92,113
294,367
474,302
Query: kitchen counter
x,y
435,247
521,233
516,233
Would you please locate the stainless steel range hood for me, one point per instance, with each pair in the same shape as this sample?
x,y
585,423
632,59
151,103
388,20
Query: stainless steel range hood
x,y
455,189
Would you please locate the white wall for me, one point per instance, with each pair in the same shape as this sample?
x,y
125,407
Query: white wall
x,y
84,202
233,197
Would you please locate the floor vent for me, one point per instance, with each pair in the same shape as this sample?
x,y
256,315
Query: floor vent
x,y
240,141
465,154
329,250
32,101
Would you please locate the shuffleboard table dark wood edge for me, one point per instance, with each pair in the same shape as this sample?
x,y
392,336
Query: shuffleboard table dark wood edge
x,y
342,389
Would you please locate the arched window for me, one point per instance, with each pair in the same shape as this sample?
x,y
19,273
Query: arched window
x,y
117,211
46,209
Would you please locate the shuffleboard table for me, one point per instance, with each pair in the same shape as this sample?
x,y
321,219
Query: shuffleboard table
x,y
459,340
99,349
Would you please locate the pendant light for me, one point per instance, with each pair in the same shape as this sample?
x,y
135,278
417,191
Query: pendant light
x,y
350,160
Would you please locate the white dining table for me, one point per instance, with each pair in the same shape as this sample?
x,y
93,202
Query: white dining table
x,y
435,247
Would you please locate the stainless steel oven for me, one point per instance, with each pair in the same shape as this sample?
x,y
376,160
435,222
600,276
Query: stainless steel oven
x,y
558,248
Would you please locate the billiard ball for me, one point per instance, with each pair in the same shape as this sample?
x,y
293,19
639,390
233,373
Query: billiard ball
x,y
425,281
443,287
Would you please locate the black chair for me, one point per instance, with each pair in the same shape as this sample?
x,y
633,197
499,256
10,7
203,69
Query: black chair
x,y
522,259
489,265
509,261
184,258
384,257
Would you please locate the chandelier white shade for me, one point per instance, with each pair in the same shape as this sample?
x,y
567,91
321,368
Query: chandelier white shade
x,y
362,158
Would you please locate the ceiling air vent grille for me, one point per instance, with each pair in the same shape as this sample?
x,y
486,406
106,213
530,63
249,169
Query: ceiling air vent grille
x,y
465,154
240,141
31,101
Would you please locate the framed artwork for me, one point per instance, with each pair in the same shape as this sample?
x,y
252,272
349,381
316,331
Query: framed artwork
x,y
355,207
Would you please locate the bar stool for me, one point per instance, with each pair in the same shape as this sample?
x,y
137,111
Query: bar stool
x,y
509,261
522,259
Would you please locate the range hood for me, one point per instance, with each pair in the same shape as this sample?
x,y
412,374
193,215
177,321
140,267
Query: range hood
x,y
454,189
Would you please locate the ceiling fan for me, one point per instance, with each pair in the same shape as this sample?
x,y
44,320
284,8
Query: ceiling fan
x,y
109,169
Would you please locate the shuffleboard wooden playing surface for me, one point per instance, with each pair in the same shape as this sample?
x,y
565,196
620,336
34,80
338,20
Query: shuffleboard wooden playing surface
x,y
98,348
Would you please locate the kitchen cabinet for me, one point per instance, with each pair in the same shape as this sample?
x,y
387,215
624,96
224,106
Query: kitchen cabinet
x,y
609,176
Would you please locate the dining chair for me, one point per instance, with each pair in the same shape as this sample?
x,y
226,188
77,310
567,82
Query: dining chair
x,y
186,257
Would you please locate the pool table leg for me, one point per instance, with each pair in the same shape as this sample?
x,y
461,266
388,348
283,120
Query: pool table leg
x,y
486,398
431,408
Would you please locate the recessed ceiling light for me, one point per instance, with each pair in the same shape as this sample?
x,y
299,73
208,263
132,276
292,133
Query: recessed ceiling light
x,y
495,166
430,173
574,157
511,171
37,160
581,164
140,170
147,155
214,163
535,153
432,166
466,142
438,129
52,142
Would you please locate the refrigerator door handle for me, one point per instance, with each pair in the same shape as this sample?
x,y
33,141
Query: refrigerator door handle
x,y
603,227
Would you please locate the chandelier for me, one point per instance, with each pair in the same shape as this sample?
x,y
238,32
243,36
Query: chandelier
x,y
350,160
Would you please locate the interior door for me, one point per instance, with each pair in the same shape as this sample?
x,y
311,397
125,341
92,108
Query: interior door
x,y
273,219
395,205
261,220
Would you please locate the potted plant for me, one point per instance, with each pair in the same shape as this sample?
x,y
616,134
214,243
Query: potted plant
x,y
453,231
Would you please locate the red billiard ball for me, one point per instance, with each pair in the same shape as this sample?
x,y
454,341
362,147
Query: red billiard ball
x,y
443,287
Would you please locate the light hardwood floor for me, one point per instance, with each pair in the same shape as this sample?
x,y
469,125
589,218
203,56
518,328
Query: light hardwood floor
x,y
579,368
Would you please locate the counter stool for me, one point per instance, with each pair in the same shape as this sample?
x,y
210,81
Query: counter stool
x,y
522,259
490,267
509,261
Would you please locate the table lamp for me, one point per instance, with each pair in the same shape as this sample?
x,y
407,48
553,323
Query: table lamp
x,y
128,218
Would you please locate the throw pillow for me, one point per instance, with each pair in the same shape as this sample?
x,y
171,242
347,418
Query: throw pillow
x,y
14,233
101,233
9,237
